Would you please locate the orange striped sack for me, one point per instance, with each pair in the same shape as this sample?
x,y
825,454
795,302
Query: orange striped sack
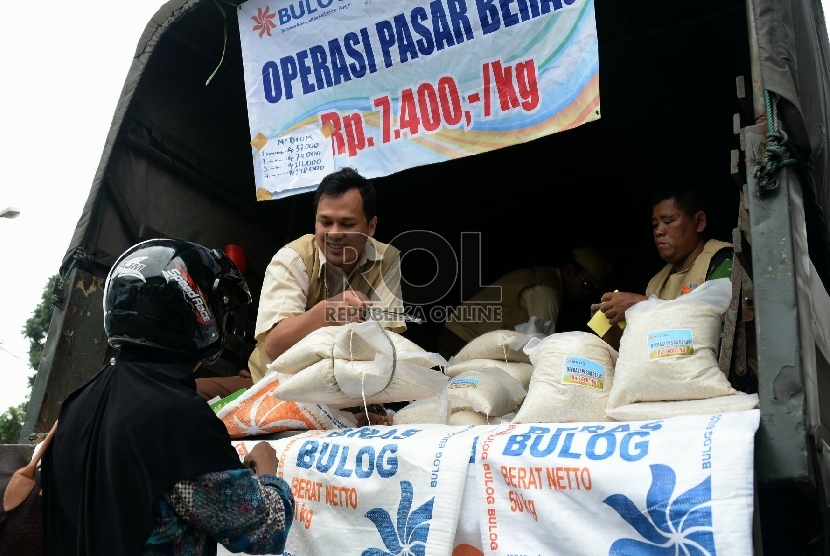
x,y
256,412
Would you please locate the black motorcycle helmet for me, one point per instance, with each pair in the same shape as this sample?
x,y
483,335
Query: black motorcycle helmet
x,y
174,296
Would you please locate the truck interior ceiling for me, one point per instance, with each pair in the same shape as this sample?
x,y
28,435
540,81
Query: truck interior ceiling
x,y
181,163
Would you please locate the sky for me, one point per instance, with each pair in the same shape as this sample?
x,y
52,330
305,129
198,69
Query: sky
x,y
64,66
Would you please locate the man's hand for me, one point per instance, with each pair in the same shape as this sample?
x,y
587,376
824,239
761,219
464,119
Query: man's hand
x,y
343,308
615,304
349,306
262,459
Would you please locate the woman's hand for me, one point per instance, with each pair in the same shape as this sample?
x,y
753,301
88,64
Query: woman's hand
x,y
262,459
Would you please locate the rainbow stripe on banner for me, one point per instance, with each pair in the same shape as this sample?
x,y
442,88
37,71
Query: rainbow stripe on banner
x,y
385,86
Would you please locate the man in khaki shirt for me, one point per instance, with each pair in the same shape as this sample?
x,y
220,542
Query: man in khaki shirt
x,y
330,277
679,222
529,292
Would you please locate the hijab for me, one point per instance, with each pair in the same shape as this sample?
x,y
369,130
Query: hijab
x,y
123,438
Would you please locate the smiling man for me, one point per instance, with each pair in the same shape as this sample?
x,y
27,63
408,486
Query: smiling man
x,y
327,278
679,226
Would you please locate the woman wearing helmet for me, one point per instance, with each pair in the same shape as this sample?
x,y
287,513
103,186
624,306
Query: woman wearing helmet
x,y
139,463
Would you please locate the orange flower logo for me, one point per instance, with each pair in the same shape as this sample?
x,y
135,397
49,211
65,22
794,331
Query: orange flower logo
x,y
263,20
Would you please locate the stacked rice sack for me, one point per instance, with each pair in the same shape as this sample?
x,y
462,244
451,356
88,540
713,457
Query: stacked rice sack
x,y
357,364
474,397
573,374
501,349
668,362
257,412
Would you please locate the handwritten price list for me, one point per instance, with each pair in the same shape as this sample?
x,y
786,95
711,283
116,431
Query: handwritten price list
x,y
295,161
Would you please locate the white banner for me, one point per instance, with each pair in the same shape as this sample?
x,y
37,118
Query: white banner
x,y
399,84
679,486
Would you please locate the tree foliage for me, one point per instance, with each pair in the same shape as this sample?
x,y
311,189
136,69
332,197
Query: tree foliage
x,y
35,329
37,325
11,422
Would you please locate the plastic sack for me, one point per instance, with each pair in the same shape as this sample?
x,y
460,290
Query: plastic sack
x,y
520,371
318,384
257,412
435,410
363,341
671,354
573,374
389,353
490,391
668,351
649,411
463,418
534,327
316,346
505,345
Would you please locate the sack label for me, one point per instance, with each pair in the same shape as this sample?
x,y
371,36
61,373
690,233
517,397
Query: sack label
x,y
670,343
463,383
584,372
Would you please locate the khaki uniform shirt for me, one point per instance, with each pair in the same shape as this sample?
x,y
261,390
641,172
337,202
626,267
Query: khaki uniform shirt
x,y
525,293
291,287
668,284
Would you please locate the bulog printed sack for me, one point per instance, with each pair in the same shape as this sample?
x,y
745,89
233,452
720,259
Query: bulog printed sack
x,y
573,373
669,348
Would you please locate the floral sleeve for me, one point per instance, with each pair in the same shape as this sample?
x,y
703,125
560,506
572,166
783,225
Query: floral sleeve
x,y
242,511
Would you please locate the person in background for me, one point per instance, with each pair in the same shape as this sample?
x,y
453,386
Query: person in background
x,y
139,464
530,292
679,227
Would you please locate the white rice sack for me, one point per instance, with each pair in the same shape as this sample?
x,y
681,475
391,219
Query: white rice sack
x,y
668,351
433,410
490,391
505,345
318,384
649,411
363,341
315,347
388,353
573,373
464,418
520,371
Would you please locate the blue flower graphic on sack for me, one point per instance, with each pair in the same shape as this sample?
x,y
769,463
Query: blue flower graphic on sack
x,y
679,527
410,537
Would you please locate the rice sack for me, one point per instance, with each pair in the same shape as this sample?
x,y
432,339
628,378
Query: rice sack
x,y
573,374
668,351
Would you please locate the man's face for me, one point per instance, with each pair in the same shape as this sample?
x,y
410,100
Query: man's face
x,y
676,234
341,228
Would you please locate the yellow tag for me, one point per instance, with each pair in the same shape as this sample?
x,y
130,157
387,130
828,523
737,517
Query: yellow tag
x,y
600,324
